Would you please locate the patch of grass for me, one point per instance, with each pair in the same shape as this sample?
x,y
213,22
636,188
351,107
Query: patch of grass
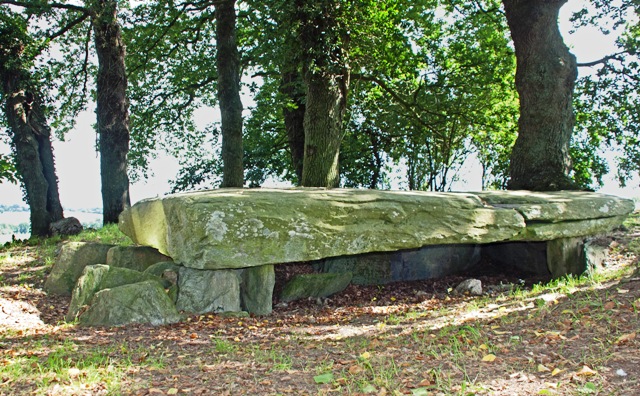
x,y
223,346
67,367
109,234
276,358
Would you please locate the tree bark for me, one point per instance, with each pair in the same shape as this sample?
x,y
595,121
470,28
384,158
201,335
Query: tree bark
x,y
323,42
293,113
326,105
112,110
228,64
31,138
545,78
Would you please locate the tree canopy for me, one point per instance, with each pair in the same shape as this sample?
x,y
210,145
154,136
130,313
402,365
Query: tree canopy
x,y
426,86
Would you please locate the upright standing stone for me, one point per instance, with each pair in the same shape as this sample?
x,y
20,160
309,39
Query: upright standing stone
x,y
99,277
202,291
566,257
257,289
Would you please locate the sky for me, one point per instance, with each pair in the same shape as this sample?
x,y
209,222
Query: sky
x,y
78,166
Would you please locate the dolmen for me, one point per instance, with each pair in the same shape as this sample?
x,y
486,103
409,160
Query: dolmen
x,y
219,247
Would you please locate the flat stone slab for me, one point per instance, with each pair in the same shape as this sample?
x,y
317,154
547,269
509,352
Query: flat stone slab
x,y
238,228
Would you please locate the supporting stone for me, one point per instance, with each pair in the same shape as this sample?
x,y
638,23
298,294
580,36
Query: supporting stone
x,y
99,277
566,257
315,285
407,265
137,258
202,291
257,289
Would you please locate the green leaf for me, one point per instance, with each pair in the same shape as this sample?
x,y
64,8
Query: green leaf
x,y
419,392
323,378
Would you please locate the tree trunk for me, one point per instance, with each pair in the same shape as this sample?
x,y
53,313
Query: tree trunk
x,y
293,112
323,130
31,138
545,79
228,64
112,111
323,42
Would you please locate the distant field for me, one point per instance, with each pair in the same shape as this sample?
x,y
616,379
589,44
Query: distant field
x,y
15,218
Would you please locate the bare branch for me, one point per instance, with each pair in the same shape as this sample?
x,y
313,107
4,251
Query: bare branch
x,y
69,26
606,59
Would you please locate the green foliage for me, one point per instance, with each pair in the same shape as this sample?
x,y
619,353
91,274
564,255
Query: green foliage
x,y
412,102
7,170
171,72
606,101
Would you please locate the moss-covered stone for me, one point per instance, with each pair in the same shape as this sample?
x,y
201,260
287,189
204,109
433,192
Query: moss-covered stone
x,y
204,291
158,269
70,262
137,258
257,289
315,285
99,277
143,302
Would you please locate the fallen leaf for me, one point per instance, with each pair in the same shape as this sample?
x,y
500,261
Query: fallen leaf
x,y
365,355
625,338
424,382
172,391
542,368
556,371
354,370
369,389
489,358
586,371
609,305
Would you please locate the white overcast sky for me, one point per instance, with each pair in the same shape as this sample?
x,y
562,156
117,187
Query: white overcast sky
x,y
78,168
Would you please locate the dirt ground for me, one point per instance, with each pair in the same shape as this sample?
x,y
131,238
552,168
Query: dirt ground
x,y
416,338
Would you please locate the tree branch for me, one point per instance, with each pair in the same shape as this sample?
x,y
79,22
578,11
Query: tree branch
x,y
408,106
69,26
26,4
606,59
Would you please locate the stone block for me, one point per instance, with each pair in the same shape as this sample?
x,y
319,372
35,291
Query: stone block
x,y
204,291
315,285
566,257
137,258
70,262
143,302
99,277
406,265
257,289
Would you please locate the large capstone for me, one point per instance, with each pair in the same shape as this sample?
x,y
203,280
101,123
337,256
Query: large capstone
x,y
240,228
